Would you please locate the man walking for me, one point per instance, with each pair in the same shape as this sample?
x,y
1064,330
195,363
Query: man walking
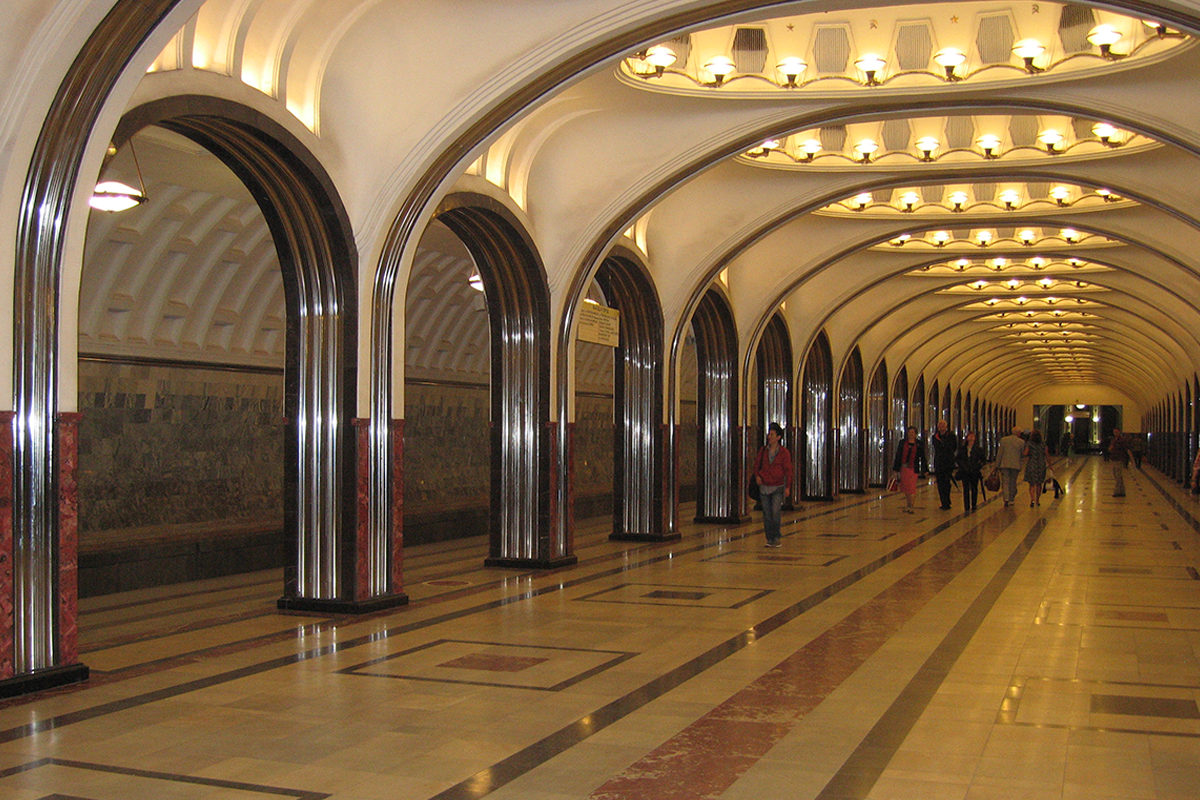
x,y
945,448
1008,461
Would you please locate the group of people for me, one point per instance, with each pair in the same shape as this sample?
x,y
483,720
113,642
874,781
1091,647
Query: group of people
x,y
951,458
965,461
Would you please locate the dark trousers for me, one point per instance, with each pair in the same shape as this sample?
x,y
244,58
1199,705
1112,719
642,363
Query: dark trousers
x,y
772,505
944,480
970,486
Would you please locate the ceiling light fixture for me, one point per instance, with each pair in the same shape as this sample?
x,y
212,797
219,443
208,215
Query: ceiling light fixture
x,y
720,66
1010,198
1104,37
1070,235
113,196
865,148
1027,237
1107,134
1027,50
871,65
660,57
810,148
1051,139
862,201
927,145
791,69
990,145
984,238
948,58
941,238
910,200
1061,195
957,201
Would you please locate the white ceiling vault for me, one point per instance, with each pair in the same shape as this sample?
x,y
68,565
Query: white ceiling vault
x,y
922,187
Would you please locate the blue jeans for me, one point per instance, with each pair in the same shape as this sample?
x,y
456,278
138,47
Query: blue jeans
x,y
771,498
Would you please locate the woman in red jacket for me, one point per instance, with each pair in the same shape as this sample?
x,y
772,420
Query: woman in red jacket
x,y
773,471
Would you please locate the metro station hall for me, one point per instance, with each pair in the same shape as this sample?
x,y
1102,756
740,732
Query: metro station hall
x,y
606,399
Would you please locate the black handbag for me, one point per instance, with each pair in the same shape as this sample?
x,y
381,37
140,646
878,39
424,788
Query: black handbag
x,y
754,490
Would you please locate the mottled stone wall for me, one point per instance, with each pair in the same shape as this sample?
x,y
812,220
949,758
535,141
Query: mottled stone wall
x,y
167,445
447,450
594,457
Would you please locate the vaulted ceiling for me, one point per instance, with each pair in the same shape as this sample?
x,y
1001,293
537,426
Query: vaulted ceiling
x,y
979,192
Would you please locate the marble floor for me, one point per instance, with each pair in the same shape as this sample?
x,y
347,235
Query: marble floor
x,y
1018,653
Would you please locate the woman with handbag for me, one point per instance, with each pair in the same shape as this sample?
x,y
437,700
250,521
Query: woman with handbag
x,y
773,475
909,461
1035,467
971,459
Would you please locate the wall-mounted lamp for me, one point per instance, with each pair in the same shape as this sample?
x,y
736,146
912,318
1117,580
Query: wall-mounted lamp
x,y
962,264
1027,237
1070,235
1061,195
1027,50
1104,37
114,196
941,238
810,148
984,238
871,65
660,57
948,58
862,201
999,263
900,240
927,146
909,201
720,66
957,201
791,68
1010,198
1037,262
865,148
990,145
1107,134
1108,196
1050,138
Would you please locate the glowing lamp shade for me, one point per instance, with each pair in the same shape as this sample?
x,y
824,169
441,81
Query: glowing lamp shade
x,y
1070,235
948,58
1010,198
871,65
984,238
1027,236
1061,194
1051,139
1028,48
862,201
720,66
940,238
810,147
1104,36
989,143
660,56
910,200
927,145
791,68
114,196
865,148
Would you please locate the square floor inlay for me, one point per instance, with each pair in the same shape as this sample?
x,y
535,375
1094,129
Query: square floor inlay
x,y
1101,705
677,595
782,558
61,779
547,669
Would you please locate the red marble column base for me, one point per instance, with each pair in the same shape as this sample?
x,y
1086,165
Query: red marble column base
x,y
397,505
68,538
6,544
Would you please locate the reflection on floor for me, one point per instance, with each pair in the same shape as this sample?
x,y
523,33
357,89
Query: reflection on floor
x,y
1046,652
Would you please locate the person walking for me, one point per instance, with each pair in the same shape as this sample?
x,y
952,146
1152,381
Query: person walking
x,y
1118,456
970,459
945,448
909,461
1035,467
773,472
1008,461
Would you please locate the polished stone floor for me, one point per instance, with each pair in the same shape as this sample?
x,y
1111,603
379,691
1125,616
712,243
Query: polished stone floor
x,y
1018,653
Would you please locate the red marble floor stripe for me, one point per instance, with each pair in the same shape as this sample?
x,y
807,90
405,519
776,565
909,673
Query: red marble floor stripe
x,y
709,756
6,544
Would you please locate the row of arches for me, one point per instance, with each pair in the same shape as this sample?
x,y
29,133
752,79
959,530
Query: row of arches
x,y
1172,430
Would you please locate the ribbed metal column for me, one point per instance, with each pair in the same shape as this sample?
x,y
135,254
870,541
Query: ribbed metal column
x,y
816,421
879,462
637,388
899,412
851,467
716,350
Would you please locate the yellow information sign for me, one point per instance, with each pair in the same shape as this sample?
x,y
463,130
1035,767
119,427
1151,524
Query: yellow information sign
x,y
599,325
